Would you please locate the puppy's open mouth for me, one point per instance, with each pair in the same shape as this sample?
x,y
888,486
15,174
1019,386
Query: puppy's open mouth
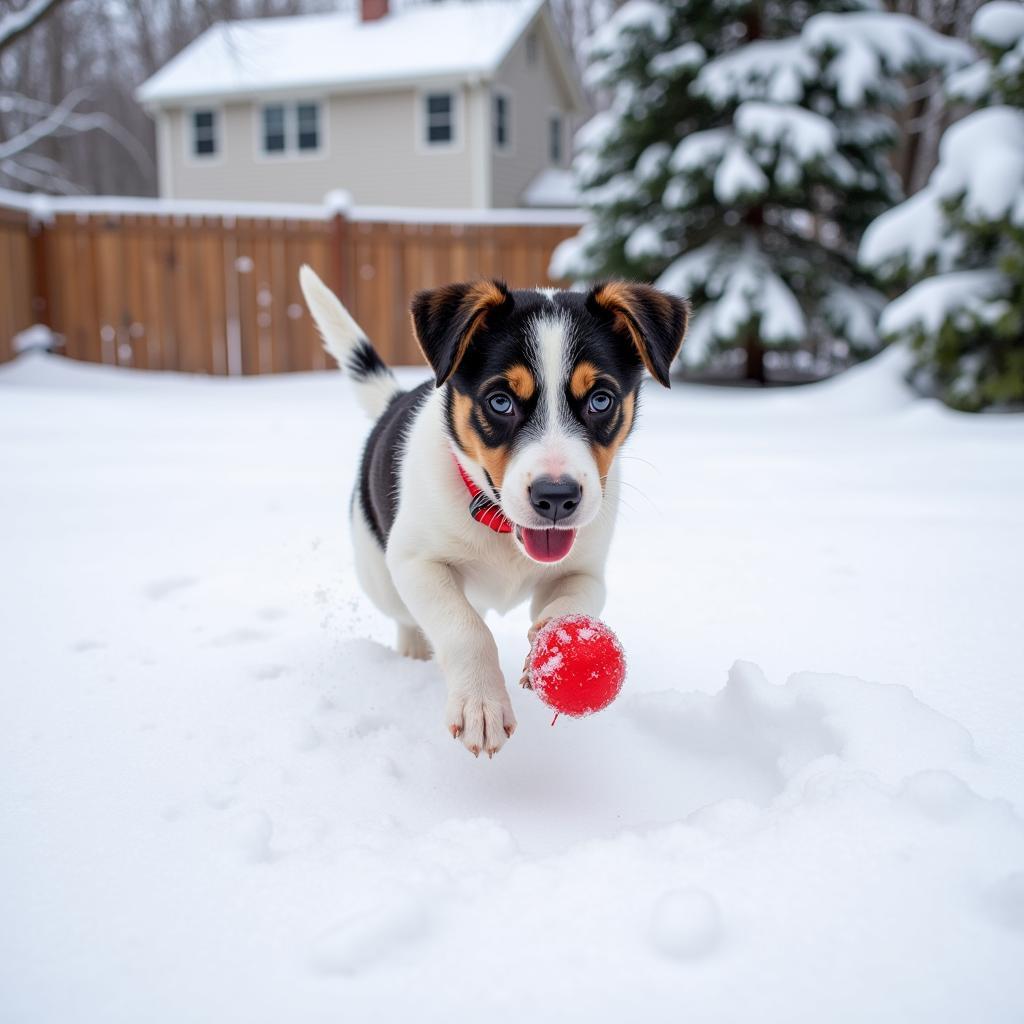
x,y
546,545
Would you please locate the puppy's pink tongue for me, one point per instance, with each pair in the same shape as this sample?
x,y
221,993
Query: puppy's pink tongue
x,y
548,545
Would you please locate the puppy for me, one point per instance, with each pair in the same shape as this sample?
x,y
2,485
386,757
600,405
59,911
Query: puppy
x,y
496,481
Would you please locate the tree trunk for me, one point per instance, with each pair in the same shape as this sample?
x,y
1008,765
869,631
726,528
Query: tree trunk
x,y
755,357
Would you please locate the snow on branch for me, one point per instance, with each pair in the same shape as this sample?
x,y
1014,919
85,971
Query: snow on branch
x,y
864,48
868,45
17,23
980,170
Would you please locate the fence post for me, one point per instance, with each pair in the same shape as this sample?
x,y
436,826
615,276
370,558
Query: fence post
x,y
42,310
339,203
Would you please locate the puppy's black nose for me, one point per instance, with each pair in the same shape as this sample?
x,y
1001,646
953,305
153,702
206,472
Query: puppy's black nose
x,y
555,499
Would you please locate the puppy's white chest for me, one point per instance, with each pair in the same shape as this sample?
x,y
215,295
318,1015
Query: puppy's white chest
x,y
499,582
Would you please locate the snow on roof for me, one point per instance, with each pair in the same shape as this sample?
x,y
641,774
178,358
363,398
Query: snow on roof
x,y
453,38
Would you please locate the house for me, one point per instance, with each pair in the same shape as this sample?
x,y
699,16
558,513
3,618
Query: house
x,y
462,103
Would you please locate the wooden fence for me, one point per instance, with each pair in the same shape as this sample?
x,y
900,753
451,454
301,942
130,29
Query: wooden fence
x,y
214,289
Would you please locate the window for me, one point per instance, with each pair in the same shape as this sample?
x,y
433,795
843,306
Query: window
x,y
274,140
502,127
290,128
440,110
307,116
204,133
555,135
531,48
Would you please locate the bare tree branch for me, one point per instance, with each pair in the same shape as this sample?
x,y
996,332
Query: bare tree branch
x,y
63,119
17,23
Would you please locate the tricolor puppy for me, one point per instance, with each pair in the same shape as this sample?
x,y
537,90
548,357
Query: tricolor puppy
x,y
497,480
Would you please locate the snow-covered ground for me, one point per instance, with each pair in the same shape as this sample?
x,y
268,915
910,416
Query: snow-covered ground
x,y
224,798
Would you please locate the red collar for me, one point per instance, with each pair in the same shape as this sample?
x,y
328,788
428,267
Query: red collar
x,y
481,508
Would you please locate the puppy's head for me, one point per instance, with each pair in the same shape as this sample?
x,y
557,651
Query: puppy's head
x,y
541,391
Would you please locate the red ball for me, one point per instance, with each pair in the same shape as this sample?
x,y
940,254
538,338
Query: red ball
x,y
577,666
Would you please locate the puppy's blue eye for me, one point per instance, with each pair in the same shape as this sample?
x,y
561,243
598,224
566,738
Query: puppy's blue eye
x,y
500,403
600,402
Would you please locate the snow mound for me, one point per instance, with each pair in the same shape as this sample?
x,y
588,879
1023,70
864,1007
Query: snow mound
x,y
686,924
875,386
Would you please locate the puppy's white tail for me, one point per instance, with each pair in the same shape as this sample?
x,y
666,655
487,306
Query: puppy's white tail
x,y
344,339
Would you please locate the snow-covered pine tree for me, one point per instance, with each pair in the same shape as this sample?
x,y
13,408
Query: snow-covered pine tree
x,y
961,238
742,154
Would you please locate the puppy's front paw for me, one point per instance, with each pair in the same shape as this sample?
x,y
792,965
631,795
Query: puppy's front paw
x,y
482,720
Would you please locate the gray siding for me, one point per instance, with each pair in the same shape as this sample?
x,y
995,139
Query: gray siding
x,y
373,148
535,93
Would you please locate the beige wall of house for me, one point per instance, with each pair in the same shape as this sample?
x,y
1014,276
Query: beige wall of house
x,y
374,147
535,93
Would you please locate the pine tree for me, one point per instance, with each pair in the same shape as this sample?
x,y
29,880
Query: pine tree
x,y
961,239
742,155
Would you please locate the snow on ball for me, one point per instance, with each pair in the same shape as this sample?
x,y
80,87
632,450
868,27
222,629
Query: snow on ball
x,y
576,665
686,924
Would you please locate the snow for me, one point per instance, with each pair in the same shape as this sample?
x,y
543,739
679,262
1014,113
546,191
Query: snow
x,y
867,44
632,18
651,163
853,313
743,286
339,51
645,242
37,336
700,149
554,186
752,290
683,58
45,207
15,22
805,134
222,796
982,159
862,45
1000,24
970,84
596,132
571,254
932,301
690,271
686,924
910,233
772,70
981,169
738,176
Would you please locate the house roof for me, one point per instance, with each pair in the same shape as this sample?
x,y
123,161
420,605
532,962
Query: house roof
x,y
452,39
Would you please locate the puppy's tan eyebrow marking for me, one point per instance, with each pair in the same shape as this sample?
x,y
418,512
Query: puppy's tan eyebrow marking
x,y
521,381
583,378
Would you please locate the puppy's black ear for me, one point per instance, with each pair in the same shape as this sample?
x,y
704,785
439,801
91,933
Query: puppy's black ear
x,y
446,319
653,321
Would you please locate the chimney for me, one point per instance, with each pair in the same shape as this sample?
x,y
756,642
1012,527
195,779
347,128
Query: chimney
x,y
372,10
